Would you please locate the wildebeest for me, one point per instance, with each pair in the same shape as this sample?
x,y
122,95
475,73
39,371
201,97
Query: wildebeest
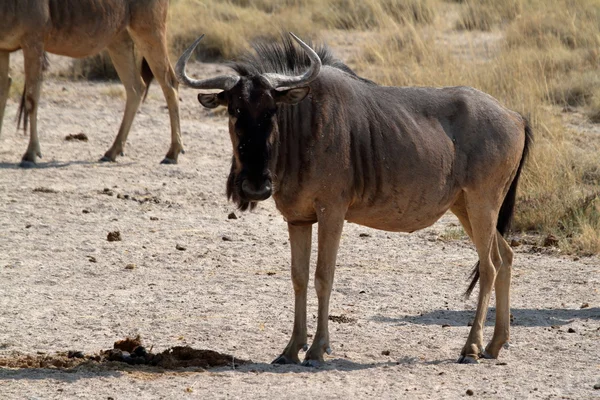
x,y
330,146
133,32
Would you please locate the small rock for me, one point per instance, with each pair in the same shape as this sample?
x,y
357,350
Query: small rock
x,y
119,196
130,266
232,216
85,211
43,189
92,259
270,273
180,247
470,392
551,241
575,258
114,236
107,192
571,330
597,386
585,305
364,235
362,291
385,353
28,226
515,243
227,238
446,326
153,218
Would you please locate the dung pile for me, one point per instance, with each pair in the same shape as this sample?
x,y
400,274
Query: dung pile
x,y
129,351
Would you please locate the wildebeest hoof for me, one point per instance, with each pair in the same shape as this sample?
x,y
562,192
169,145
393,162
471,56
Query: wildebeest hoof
x,y
305,348
311,363
467,360
328,350
168,160
486,355
106,159
27,164
283,359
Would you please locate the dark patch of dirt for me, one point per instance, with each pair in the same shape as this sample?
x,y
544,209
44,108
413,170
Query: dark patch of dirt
x,y
127,351
342,319
43,189
82,137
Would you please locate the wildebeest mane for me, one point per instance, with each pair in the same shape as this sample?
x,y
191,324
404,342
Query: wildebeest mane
x,y
285,57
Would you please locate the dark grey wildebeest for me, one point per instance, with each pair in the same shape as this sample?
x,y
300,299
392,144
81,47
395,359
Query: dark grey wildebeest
x,y
131,30
330,146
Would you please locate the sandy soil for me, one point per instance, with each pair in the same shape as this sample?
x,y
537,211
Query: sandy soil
x,y
65,287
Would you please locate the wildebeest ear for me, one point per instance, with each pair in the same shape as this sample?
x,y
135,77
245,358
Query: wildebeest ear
x,y
212,100
291,96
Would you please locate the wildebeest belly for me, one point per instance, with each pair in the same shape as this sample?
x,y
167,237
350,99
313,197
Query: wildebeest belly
x,y
79,28
401,214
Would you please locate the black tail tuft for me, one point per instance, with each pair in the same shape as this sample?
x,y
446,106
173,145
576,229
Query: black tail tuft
x,y
147,77
508,206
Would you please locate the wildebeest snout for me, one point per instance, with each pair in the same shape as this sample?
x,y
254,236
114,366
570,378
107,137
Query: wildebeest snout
x,y
257,192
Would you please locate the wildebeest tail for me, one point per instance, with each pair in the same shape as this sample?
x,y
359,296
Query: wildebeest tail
x,y
508,205
147,77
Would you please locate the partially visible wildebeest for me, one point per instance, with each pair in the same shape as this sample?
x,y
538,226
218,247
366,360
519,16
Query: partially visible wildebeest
x,y
331,146
133,32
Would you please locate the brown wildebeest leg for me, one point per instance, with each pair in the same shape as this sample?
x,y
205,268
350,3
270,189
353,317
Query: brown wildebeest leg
x,y
300,242
331,223
482,214
503,278
502,256
33,54
154,48
4,83
122,54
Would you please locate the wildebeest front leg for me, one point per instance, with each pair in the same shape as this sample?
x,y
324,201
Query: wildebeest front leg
x,y
4,83
331,223
300,242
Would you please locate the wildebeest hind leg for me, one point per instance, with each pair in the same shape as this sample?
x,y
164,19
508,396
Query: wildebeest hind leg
x,y
4,83
300,243
331,223
128,67
33,54
482,216
154,48
502,287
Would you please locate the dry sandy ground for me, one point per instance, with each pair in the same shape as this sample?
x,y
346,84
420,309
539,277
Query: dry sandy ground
x,y
402,292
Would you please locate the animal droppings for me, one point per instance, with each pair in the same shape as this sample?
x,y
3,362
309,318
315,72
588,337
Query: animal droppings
x,y
342,319
364,235
130,266
180,247
227,239
470,392
82,137
385,353
114,236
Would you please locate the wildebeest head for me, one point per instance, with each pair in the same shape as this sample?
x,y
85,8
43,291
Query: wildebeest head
x,y
252,103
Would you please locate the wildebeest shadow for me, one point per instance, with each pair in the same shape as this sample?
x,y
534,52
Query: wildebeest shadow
x,y
57,164
92,370
521,317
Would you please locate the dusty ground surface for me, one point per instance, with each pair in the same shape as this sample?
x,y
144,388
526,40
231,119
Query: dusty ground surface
x,y
402,319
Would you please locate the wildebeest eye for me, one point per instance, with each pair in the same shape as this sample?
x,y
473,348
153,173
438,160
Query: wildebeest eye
x,y
234,111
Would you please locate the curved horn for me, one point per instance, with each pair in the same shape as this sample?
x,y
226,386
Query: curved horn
x,y
223,82
281,81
